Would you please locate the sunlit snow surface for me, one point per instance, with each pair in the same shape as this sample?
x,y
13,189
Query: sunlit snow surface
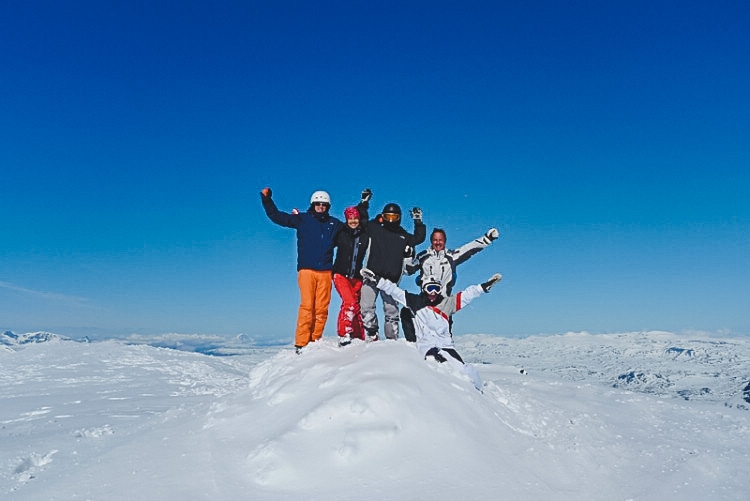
x,y
632,416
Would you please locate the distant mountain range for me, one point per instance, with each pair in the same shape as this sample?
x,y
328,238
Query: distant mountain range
x,y
199,343
10,339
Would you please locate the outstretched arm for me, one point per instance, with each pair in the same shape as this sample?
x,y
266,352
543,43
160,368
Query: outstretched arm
x,y
467,250
469,294
384,285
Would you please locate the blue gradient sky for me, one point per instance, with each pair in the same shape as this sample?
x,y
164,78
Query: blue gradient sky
x,y
608,141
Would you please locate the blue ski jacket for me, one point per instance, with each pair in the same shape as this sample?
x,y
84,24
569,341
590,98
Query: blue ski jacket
x,y
316,234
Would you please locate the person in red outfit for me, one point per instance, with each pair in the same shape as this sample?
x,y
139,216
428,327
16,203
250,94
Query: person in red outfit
x,y
351,246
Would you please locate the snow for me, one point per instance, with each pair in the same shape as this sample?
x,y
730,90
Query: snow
x,y
632,416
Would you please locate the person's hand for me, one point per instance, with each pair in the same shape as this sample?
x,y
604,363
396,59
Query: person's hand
x,y
366,195
492,234
486,286
265,193
409,251
368,276
416,214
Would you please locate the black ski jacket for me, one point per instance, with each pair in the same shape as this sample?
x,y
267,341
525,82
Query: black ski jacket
x,y
351,247
388,242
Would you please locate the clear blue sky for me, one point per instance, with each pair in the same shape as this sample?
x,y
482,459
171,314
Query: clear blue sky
x,y
608,141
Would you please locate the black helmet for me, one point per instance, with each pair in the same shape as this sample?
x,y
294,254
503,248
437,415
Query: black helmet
x,y
392,209
392,213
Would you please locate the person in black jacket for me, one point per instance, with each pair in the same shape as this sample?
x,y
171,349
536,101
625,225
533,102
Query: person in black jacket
x,y
389,242
351,246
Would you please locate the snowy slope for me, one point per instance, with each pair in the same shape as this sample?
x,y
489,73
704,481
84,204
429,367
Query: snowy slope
x,y
629,416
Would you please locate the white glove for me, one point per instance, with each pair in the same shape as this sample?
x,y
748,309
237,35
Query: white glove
x,y
486,286
492,234
416,214
368,276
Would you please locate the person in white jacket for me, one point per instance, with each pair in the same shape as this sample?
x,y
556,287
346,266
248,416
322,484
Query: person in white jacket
x,y
441,263
432,311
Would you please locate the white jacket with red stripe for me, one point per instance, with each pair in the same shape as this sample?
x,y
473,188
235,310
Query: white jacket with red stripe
x,y
431,322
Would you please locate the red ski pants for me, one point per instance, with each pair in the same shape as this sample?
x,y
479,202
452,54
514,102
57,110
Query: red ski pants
x,y
350,316
315,291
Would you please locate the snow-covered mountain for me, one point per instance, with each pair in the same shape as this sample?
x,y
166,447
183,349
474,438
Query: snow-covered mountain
x,y
642,416
10,339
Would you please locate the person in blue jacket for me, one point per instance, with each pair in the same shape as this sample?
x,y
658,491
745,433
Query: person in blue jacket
x,y
316,234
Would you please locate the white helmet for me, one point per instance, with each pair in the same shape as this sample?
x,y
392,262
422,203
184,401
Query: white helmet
x,y
320,196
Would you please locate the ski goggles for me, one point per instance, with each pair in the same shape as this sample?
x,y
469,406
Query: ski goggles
x,y
391,217
433,288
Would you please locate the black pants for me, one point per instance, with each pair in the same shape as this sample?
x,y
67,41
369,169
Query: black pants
x,y
434,353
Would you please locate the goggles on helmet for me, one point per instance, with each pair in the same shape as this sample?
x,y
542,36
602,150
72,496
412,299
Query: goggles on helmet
x,y
433,288
391,217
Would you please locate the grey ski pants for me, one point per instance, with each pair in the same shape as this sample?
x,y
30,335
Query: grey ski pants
x,y
369,315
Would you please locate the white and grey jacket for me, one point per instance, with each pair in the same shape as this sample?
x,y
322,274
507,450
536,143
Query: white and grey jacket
x,y
443,264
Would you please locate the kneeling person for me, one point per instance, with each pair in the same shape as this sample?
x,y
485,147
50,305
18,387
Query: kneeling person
x,y
432,313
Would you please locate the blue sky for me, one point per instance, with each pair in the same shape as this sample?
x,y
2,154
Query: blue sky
x,y
608,141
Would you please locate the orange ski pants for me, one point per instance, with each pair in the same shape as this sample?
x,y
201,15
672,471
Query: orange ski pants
x,y
315,292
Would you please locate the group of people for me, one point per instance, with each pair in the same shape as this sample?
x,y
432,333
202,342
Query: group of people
x,y
371,255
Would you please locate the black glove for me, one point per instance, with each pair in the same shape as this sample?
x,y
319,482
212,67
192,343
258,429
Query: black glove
x,y
434,352
416,214
409,251
366,196
369,276
265,193
492,234
486,286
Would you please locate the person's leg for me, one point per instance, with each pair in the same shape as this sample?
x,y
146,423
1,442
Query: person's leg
x,y
345,322
451,356
323,287
390,310
358,331
303,333
452,352
369,295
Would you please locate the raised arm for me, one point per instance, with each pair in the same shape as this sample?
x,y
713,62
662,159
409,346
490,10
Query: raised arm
x,y
364,205
467,250
273,212
420,231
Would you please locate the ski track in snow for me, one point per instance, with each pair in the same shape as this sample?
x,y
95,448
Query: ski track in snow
x,y
632,416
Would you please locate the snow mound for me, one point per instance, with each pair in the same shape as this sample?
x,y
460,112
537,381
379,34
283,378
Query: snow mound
x,y
111,420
